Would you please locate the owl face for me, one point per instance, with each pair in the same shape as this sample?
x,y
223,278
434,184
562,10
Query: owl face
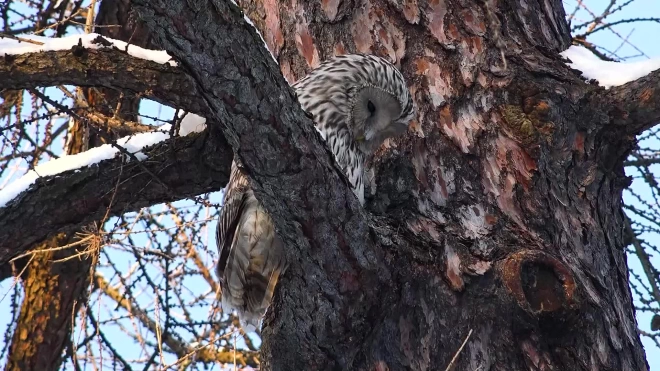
x,y
376,116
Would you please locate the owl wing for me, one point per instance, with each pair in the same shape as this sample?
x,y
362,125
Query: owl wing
x,y
251,254
233,206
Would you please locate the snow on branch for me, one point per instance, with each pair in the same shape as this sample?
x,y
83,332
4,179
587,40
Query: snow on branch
x,y
133,144
608,74
24,44
185,167
98,67
631,100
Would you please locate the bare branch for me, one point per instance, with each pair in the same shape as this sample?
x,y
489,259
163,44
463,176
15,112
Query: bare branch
x,y
88,67
605,26
206,354
188,166
634,106
593,48
644,259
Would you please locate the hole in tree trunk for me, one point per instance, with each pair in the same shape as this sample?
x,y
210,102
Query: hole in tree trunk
x,y
543,289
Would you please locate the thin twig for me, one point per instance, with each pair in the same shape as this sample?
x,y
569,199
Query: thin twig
x,y
20,39
75,14
121,149
458,352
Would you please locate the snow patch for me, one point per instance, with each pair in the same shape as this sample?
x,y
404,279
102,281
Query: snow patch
x,y
191,123
608,74
13,47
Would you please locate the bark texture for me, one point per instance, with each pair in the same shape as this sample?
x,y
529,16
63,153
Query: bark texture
x,y
82,67
499,212
53,292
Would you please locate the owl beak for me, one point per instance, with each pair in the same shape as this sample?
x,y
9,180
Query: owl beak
x,y
360,138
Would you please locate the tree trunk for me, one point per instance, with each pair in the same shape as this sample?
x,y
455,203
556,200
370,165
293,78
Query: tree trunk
x,y
496,220
54,289
53,293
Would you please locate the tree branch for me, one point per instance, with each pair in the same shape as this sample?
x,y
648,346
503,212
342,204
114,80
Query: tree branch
x,y
188,166
89,67
293,174
93,185
634,106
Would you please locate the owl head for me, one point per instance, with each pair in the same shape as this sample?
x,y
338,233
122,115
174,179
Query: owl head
x,y
362,96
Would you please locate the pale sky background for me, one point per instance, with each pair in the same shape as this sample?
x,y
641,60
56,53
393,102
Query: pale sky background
x,y
642,35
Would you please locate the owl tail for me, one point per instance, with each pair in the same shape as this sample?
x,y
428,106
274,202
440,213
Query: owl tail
x,y
250,323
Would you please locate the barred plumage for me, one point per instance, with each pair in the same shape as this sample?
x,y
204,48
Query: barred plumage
x,y
337,94
357,102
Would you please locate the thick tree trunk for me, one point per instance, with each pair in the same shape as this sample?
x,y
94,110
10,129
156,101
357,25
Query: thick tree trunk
x,y
499,214
504,201
56,282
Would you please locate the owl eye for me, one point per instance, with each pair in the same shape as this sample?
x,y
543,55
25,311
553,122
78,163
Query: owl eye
x,y
371,107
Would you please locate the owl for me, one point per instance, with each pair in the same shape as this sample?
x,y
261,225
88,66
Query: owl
x,y
357,101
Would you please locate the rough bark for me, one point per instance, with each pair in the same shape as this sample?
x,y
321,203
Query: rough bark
x,y
52,292
293,174
499,212
633,107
